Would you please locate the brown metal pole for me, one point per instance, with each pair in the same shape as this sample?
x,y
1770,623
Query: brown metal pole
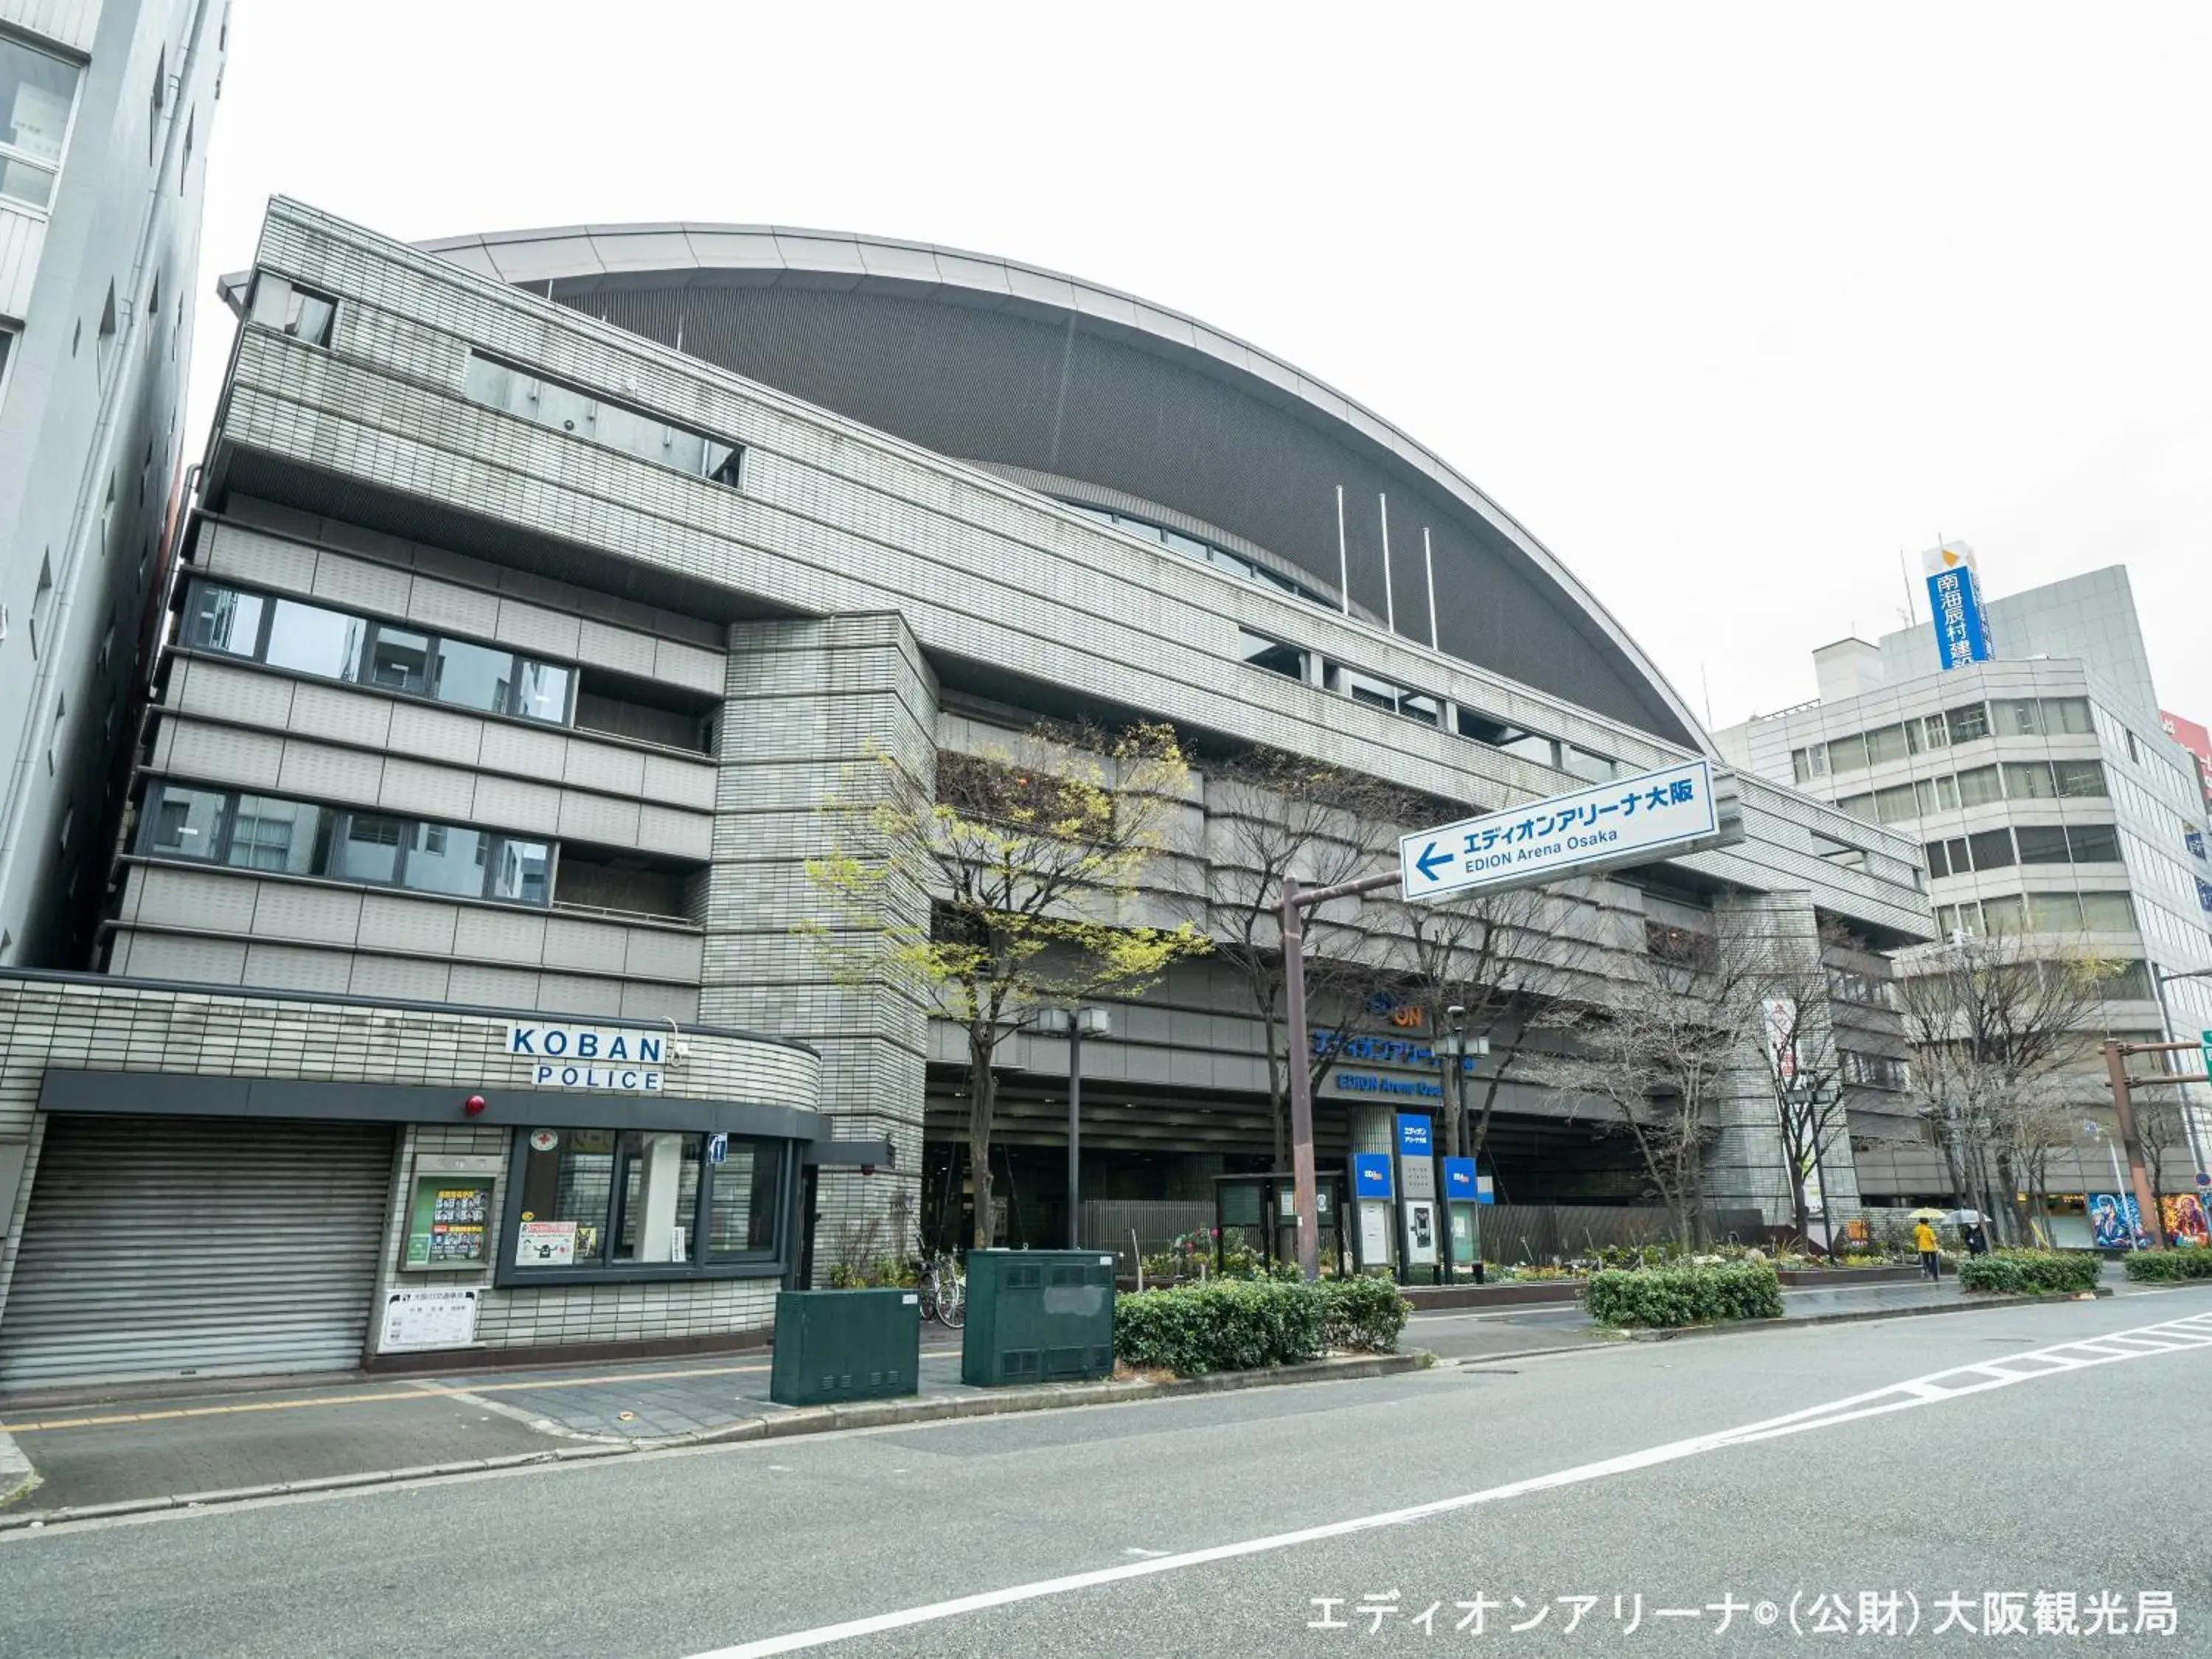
x,y
1300,1080
2115,1068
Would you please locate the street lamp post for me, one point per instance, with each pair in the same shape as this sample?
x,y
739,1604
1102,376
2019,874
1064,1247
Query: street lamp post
x,y
1806,1098
2159,979
1453,1052
1075,1024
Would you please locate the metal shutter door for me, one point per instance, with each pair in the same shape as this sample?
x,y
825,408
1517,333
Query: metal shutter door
x,y
162,1248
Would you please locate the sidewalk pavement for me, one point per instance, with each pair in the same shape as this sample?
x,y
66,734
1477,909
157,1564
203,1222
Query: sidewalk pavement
x,y
101,1450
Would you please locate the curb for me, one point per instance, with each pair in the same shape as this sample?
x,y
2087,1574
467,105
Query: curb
x,y
1857,1317
814,1419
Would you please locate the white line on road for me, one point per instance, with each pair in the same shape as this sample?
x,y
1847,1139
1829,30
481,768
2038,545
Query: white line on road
x,y
2193,1332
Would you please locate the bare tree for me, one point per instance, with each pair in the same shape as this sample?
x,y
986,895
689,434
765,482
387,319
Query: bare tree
x,y
1993,1022
1029,859
1514,962
1271,815
1658,1054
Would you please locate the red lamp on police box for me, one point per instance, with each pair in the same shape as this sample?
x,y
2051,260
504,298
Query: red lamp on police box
x,y
473,1105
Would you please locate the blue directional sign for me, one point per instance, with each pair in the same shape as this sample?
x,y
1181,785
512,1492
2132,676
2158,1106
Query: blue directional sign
x,y
1370,1175
1459,1179
1414,1139
1627,822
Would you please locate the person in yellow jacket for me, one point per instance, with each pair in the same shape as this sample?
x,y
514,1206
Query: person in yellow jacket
x,y
1924,1240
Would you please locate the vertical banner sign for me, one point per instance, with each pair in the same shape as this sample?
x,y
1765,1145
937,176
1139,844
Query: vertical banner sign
x,y
1955,605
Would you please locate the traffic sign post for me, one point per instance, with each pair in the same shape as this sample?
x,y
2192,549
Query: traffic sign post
x,y
1661,814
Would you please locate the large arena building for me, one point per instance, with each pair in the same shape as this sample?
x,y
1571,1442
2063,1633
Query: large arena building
x,y
539,589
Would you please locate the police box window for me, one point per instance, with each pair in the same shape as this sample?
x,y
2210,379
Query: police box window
x,y
644,1203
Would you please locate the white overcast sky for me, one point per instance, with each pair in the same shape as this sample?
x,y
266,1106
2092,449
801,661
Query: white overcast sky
x,y
1729,305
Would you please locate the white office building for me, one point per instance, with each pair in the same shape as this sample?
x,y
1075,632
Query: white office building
x,y
2048,801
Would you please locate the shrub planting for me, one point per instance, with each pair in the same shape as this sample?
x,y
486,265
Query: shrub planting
x,y
1672,1296
2032,1272
1245,1324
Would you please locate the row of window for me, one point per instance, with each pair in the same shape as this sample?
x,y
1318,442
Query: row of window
x,y
2017,717
2011,915
297,838
1296,663
37,92
2000,849
1874,1071
1871,989
569,409
1201,552
1979,785
621,1201
336,645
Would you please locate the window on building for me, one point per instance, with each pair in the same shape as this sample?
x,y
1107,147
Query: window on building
x,y
334,645
2132,983
1968,722
1512,739
1847,754
2054,913
1935,732
1859,806
1898,804
2093,843
1942,793
1991,849
1589,767
282,836
2068,716
2108,912
103,348
1886,743
1978,787
2079,779
586,414
2004,916
2041,843
1383,694
1810,762
2018,717
2029,781
1272,656
284,305
643,1203
2135,754
37,92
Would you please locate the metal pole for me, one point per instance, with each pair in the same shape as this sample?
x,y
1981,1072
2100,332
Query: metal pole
x,y
1429,569
1827,1200
1074,1125
1343,555
1390,597
2115,1066
1301,1077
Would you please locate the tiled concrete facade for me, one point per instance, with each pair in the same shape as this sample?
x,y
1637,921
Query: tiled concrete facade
x,y
835,601
84,1024
818,708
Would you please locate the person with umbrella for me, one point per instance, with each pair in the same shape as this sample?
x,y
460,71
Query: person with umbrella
x,y
1924,1240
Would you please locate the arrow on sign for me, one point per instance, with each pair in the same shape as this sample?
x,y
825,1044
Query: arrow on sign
x,y
1430,858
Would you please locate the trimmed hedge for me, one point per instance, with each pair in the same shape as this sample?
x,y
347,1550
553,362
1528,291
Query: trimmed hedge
x,y
1669,1296
2165,1267
2033,1272
1365,1313
1245,1324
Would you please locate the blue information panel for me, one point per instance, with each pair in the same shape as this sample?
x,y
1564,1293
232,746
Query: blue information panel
x,y
1459,1179
1962,633
1370,1175
1414,1136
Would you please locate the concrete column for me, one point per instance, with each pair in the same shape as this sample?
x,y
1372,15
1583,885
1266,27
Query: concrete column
x,y
814,707
660,1174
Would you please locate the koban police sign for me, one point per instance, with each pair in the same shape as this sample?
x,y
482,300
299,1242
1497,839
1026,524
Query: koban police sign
x,y
590,1056
1666,810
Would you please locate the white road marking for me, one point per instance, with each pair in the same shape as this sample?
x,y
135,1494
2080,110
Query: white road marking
x,y
2174,1335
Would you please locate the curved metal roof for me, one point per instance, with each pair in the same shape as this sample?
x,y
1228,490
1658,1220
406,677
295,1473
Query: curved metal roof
x,y
829,317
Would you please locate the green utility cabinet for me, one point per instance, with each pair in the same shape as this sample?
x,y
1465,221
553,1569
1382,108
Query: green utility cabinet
x,y
832,1345
1037,1316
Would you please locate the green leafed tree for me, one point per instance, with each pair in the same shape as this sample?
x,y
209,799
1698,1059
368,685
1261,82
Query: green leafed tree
x,y
1032,861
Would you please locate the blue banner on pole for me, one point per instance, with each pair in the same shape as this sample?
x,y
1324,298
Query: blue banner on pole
x,y
1962,632
1459,1179
1414,1139
1370,1175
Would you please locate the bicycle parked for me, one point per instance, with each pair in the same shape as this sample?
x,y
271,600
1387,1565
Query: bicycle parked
x,y
944,1288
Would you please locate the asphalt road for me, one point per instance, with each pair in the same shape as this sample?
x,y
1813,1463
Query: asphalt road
x,y
1269,1522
